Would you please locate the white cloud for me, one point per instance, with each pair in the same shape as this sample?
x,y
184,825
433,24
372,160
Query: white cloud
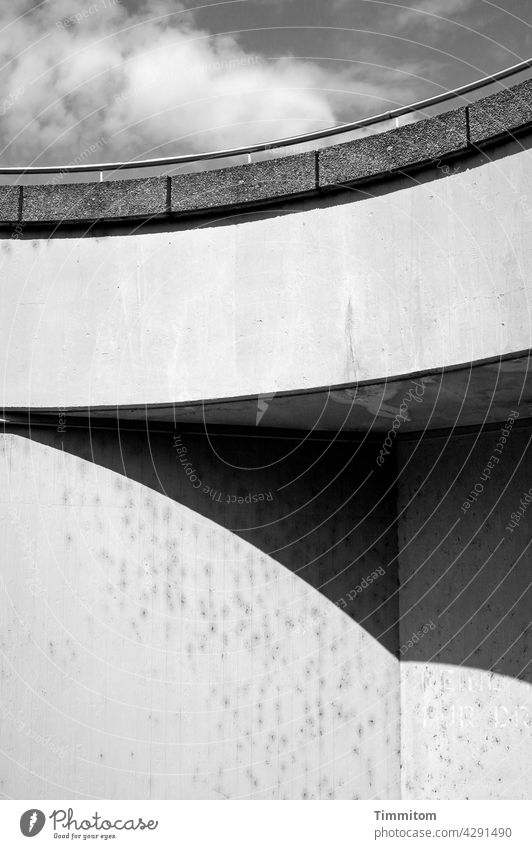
x,y
100,81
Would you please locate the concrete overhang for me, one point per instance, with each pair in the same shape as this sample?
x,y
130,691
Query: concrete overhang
x,y
472,395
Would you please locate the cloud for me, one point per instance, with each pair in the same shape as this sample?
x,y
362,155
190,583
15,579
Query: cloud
x,y
406,8
412,12
105,81
431,12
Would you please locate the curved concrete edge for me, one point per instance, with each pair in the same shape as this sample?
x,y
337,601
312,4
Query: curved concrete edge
x,y
501,114
458,396
146,197
404,149
245,185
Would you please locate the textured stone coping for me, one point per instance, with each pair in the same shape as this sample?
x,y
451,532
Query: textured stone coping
x,y
397,150
404,149
501,114
9,203
247,184
144,198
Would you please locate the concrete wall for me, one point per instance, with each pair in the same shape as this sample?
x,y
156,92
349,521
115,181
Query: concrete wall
x,y
435,274
466,703
161,643
165,640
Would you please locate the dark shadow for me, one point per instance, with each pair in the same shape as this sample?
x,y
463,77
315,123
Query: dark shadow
x,y
324,510
465,539
354,530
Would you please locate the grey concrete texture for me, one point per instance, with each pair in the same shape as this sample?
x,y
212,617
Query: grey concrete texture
x,y
336,293
9,203
245,184
384,153
113,199
466,683
501,113
220,635
178,656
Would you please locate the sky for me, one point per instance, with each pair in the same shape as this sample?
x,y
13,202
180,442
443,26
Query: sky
x,y
108,80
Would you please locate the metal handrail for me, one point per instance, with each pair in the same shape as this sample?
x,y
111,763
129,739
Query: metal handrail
x,y
278,143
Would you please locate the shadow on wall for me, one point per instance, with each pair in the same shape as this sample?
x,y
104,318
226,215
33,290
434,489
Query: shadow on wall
x,y
323,510
352,529
465,538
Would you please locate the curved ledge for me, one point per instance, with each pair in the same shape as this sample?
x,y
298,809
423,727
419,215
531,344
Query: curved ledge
x,y
459,397
404,149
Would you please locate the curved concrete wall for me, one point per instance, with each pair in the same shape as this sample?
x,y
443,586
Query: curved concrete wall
x,y
435,274
416,274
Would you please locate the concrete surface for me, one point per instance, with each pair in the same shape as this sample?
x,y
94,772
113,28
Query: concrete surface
x,y
296,626
473,395
384,153
505,112
150,651
434,274
466,704
143,198
261,181
9,203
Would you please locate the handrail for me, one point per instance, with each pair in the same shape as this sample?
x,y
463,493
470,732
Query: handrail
x,y
278,143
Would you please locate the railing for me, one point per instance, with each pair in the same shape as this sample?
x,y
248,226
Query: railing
x,y
412,110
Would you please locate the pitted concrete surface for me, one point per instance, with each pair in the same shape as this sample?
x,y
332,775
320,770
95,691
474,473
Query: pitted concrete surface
x,y
151,653
466,709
